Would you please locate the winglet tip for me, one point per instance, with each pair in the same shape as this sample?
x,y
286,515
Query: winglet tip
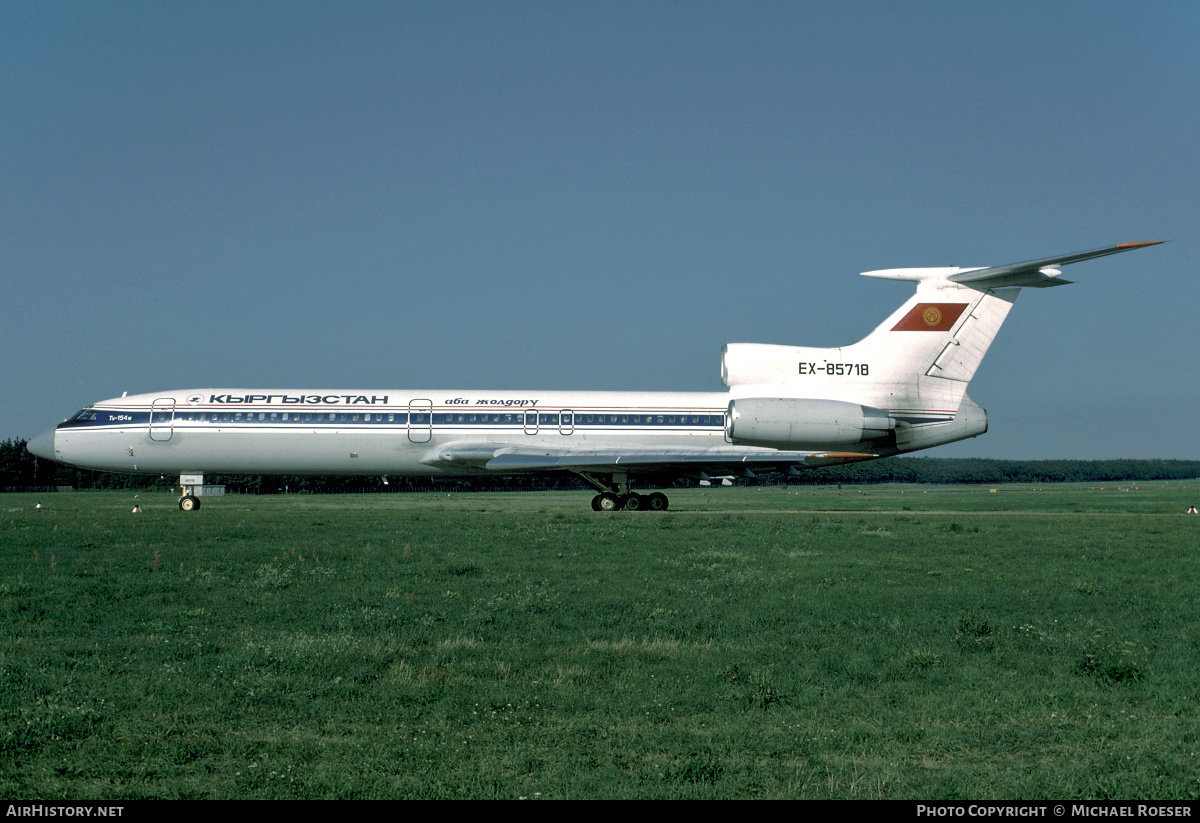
x,y
1124,246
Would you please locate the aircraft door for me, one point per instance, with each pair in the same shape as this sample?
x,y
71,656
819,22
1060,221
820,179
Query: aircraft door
x,y
420,420
531,421
162,419
566,422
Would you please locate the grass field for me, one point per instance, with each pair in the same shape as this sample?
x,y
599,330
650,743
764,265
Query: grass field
x,y
876,642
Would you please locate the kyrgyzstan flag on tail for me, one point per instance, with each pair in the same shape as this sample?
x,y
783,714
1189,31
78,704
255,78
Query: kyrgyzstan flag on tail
x,y
930,317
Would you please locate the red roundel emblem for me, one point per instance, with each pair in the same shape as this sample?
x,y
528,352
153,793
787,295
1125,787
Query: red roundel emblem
x,y
930,317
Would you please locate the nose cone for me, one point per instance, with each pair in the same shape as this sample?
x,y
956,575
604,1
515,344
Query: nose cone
x,y
43,445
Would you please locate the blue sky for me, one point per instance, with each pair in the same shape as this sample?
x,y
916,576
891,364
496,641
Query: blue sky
x,y
595,196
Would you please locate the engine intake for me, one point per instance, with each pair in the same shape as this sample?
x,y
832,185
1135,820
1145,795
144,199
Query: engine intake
x,y
795,423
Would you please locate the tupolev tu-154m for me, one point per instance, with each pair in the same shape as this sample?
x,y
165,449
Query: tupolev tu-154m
x,y
900,389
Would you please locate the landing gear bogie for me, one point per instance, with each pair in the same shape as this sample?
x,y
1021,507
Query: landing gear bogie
x,y
615,495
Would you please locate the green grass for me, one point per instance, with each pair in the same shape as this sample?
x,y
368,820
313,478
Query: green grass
x,y
890,642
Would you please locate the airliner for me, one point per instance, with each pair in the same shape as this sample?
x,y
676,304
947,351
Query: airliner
x,y
787,408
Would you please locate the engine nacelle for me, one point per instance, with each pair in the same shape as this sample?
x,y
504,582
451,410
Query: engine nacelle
x,y
795,423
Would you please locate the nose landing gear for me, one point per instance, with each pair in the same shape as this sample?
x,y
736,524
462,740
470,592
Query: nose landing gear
x,y
189,502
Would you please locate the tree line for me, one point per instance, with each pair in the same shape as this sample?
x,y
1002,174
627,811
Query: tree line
x,y
21,470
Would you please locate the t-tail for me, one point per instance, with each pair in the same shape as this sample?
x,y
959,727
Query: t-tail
x,y
901,388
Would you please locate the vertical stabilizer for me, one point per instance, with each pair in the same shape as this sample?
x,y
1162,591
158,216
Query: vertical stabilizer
x,y
918,362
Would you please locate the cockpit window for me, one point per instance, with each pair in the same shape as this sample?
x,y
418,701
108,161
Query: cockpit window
x,y
87,415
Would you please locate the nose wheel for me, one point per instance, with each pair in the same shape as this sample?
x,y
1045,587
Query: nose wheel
x,y
188,483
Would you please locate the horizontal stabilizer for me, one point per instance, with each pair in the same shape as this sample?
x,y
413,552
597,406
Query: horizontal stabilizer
x,y
1037,273
1033,273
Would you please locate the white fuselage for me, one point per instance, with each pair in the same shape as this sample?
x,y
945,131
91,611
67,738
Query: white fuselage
x,y
373,432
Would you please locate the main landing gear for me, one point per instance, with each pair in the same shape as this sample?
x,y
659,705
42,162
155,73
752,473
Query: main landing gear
x,y
615,495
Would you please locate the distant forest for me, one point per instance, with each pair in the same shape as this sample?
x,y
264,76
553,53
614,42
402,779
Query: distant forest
x,y
20,470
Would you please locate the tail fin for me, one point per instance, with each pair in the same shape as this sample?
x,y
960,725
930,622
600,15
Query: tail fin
x,y
916,365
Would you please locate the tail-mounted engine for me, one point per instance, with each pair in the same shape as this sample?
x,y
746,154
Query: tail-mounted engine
x,y
795,423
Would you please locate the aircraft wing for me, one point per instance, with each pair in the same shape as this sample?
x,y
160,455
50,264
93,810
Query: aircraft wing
x,y
714,460
1037,273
